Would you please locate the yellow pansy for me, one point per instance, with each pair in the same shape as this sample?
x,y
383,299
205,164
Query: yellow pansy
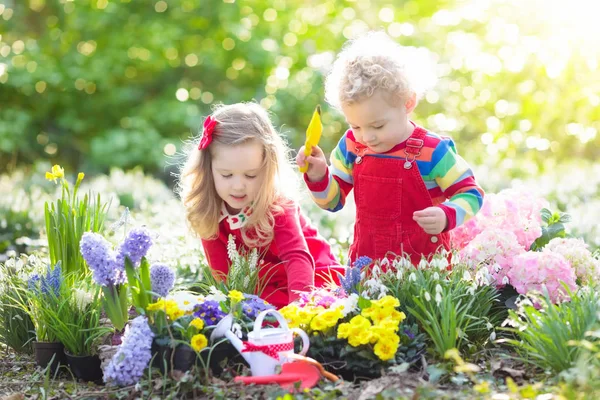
x,y
197,323
236,295
198,342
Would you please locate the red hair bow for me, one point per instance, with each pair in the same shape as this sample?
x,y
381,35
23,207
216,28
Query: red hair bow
x,y
207,132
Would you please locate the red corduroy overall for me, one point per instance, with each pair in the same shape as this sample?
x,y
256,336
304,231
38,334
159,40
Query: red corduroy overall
x,y
387,192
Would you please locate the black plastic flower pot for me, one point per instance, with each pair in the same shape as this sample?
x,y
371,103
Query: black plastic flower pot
x,y
86,368
223,355
49,353
184,358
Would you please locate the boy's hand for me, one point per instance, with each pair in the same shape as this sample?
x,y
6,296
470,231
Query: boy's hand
x,y
317,163
433,220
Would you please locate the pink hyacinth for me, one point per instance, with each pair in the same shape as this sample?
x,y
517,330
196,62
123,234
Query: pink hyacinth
x,y
531,271
495,249
510,210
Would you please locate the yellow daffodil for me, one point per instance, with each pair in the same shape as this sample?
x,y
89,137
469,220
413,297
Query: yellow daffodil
x,y
58,171
198,342
197,323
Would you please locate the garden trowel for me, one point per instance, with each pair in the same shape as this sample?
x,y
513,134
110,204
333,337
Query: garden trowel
x,y
313,135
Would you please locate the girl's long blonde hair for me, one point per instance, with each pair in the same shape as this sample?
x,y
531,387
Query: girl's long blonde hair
x,y
237,124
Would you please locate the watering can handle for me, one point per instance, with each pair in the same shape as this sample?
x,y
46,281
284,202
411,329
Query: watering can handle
x,y
305,340
259,320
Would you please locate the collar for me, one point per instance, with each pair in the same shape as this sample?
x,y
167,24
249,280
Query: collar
x,y
235,221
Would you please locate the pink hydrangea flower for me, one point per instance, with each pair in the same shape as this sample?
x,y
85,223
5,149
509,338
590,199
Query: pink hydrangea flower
x,y
494,249
575,250
510,210
532,271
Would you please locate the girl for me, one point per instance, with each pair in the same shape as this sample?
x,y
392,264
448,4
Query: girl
x,y
238,180
410,185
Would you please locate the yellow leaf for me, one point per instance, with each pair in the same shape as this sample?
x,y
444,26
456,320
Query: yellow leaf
x,y
313,135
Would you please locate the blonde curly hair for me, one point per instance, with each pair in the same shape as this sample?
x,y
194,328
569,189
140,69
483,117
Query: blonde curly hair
x,y
237,124
376,62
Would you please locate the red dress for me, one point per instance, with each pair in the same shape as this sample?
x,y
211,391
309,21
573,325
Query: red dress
x,y
302,257
387,192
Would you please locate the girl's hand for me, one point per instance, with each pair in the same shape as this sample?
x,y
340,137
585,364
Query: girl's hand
x,y
317,163
433,220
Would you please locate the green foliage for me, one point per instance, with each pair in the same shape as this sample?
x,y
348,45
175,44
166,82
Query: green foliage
x,y
66,222
16,329
553,226
15,224
75,321
246,272
139,283
84,80
544,335
452,308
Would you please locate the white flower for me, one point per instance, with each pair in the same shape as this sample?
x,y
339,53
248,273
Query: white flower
x,y
467,276
427,296
376,271
505,280
253,260
232,252
382,291
438,288
423,264
216,295
412,277
438,298
436,276
237,330
399,274
348,304
493,336
439,263
186,301
82,298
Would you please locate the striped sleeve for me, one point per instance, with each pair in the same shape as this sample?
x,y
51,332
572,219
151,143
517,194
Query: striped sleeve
x,y
330,193
457,182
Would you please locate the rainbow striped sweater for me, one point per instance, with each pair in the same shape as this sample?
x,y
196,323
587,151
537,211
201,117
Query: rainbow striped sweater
x,y
447,176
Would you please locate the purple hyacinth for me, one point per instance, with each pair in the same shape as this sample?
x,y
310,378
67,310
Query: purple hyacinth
x,y
351,279
128,364
135,246
97,253
210,312
52,281
48,284
362,262
162,278
253,305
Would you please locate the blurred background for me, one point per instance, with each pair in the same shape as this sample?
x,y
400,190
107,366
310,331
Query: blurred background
x,y
110,85
94,84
